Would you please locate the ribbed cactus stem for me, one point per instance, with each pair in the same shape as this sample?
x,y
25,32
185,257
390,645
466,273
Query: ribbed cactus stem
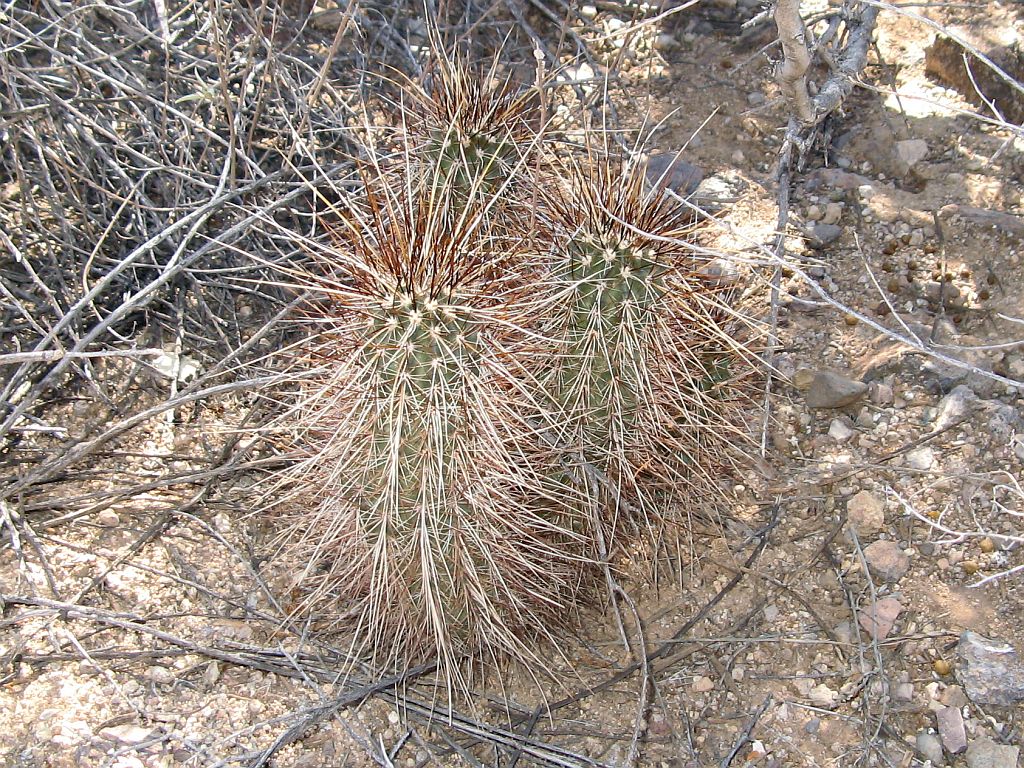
x,y
473,162
421,349
615,289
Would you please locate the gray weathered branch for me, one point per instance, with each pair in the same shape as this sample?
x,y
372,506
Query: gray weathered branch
x,y
792,71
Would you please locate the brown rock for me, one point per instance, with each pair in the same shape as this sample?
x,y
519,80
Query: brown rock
x,y
826,389
703,685
944,60
951,729
865,513
954,696
886,560
878,619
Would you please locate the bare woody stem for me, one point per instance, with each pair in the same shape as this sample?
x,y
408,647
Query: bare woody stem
x,y
792,72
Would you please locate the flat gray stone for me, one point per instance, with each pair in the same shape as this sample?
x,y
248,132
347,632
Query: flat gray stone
x,y
911,151
666,171
822,235
955,406
990,670
929,747
985,753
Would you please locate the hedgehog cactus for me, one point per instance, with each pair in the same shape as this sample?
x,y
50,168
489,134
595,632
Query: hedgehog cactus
x,y
420,350
642,349
616,287
496,395
434,522
473,160
474,129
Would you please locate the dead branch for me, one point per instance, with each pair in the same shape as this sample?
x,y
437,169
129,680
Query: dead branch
x,y
792,72
845,68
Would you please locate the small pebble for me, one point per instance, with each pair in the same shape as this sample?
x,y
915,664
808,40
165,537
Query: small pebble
x,y
703,685
954,696
865,513
833,212
911,151
878,619
903,692
822,235
882,394
126,734
665,42
921,458
826,389
212,673
108,518
160,675
824,697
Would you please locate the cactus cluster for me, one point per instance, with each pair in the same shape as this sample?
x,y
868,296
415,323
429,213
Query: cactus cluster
x,y
500,390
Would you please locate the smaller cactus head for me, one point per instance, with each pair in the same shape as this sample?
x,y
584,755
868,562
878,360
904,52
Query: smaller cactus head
x,y
476,128
645,358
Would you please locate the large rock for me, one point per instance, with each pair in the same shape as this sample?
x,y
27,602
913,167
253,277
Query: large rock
x,y
825,389
990,671
668,171
985,753
944,60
